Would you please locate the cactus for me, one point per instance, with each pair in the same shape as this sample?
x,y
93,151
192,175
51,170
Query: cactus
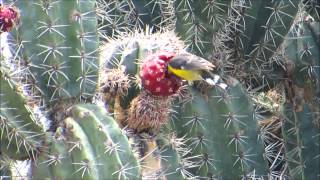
x,y
222,135
5,167
301,130
199,21
91,146
53,66
20,136
194,131
188,160
313,9
62,45
250,37
118,16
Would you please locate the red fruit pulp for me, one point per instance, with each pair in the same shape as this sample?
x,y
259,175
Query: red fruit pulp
x,y
8,17
155,77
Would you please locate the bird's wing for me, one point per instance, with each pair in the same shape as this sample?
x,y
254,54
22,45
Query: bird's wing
x,y
192,62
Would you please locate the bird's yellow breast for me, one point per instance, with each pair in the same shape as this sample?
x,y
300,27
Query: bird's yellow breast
x,y
190,75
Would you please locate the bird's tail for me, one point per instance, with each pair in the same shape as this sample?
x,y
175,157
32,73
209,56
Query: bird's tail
x,y
214,80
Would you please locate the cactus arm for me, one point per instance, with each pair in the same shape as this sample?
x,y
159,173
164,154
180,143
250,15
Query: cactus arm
x,y
94,148
223,134
197,21
171,158
115,138
61,42
5,167
301,139
300,129
273,21
313,8
20,135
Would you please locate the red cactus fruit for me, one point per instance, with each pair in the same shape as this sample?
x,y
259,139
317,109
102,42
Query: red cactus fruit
x,y
8,17
154,76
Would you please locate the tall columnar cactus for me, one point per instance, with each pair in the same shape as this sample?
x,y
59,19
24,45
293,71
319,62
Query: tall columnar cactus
x,y
252,34
151,127
221,132
53,65
301,130
199,21
20,136
91,146
118,16
57,41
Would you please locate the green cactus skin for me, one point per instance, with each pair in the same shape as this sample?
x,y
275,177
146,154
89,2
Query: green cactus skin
x,y
301,130
215,134
20,135
157,14
301,139
263,34
5,167
93,148
172,164
252,33
58,42
222,134
118,16
313,8
198,21
130,50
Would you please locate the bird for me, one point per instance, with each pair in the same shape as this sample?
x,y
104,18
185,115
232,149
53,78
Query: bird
x,y
193,68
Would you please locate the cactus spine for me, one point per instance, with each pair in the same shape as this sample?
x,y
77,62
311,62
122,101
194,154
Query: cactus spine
x,y
91,147
201,132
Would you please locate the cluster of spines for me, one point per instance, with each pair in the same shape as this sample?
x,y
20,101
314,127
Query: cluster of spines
x,y
21,137
60,52
312,7
198,21
257,51
251,35
117,17
300,128
301,143
165,156
6,164
90,145
233,143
